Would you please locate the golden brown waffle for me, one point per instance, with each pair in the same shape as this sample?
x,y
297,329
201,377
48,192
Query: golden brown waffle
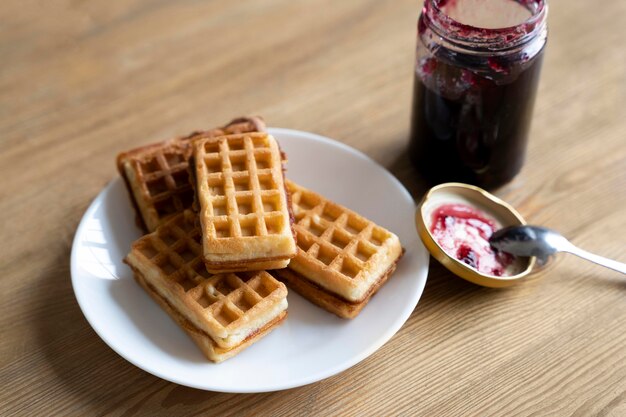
x,y
342,257
210,349
230,309
243,207
157,177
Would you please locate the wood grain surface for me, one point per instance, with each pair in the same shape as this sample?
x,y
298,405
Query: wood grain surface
x,y
82,80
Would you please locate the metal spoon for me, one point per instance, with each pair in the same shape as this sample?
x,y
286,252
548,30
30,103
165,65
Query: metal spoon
x,y
542,242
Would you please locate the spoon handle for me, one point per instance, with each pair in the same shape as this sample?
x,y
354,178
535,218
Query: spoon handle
x,y
600,260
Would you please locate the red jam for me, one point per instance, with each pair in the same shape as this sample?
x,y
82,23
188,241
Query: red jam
x,y
464,232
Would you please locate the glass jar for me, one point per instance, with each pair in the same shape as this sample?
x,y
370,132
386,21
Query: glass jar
x,y
476,75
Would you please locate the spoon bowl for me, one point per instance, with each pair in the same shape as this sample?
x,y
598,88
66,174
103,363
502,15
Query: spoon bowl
x,y
528,241
542,242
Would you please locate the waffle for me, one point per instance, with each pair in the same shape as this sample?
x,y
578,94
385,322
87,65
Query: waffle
x,y
342,259
157,177
242,203
222,313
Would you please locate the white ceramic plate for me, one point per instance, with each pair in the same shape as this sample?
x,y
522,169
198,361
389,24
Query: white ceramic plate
x,y
311,344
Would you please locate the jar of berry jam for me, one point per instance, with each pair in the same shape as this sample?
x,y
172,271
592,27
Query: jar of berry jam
x,y
476,76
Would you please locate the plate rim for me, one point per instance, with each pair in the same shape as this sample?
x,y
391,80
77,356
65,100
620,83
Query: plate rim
x,y
271,387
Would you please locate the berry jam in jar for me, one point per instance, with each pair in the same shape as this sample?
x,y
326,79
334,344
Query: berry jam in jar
x,y
476,76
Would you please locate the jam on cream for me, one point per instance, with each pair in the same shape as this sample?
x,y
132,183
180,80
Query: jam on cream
x,y
463,232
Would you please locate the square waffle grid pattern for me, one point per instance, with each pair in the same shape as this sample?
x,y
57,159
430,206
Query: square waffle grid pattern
x,y
160,171
339,240
164,179
246,198
175,249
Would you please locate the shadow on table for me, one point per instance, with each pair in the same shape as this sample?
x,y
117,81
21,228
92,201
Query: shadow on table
x,y
403,170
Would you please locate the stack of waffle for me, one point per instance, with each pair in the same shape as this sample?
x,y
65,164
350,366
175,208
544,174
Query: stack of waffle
x,y
222,313
343,258
157,176
223,222
243,210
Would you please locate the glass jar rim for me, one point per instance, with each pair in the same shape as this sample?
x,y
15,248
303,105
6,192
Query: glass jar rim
x,y
499,38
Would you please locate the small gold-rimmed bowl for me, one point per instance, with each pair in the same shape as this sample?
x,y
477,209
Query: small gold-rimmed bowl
x,y
503,214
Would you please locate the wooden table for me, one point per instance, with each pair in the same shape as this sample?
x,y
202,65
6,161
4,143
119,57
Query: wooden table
x,y
81,81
